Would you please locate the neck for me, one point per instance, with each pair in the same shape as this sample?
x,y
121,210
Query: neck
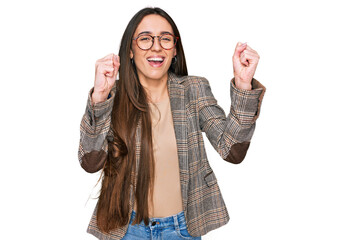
x,y
156,88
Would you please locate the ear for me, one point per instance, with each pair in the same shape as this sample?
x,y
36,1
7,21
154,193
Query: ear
x,y
175,53
131,54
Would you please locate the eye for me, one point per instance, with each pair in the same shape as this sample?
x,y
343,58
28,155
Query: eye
x,y
167,38
144,38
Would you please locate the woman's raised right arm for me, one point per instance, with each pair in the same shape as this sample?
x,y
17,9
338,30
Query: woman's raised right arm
x,y
95,124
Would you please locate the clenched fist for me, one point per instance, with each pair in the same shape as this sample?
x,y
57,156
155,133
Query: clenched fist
x,y
106,73
245,61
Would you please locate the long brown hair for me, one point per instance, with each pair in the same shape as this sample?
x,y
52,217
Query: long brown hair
x,y
130,108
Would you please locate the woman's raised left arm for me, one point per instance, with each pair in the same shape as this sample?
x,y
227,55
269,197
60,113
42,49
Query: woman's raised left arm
x,y
231,135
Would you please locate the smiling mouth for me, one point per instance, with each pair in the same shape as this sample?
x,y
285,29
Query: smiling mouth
x,y
158,59
155,61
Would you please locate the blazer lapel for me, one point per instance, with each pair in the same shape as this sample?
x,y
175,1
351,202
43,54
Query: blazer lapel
x,y
177,101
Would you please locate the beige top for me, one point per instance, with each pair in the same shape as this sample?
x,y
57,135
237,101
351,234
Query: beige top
x,y
167,198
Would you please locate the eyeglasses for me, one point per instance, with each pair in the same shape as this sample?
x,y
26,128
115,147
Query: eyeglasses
x,y
167,41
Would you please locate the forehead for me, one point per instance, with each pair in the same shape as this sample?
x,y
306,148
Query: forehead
x,y
154,24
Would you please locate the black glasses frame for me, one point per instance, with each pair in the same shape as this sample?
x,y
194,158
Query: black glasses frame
x,y
153,41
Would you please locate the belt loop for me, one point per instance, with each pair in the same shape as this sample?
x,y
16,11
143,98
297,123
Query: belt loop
x,y
175,221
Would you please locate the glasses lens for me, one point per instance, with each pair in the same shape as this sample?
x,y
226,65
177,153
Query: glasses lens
x,y
167,41
144,42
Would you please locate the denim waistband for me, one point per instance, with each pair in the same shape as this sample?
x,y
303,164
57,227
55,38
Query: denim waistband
x,y
173,220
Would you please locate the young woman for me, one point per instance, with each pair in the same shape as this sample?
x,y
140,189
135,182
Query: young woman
x,y
145,132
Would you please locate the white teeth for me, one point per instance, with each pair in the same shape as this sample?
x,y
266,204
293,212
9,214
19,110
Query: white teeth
x,y
155,59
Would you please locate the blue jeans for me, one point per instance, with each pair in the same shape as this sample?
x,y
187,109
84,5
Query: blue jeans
x,y
168,228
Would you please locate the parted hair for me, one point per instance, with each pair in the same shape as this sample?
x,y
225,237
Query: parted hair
x,y
131,108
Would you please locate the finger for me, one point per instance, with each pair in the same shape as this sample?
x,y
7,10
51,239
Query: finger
x,y
110,74
107,59
243,59
238,50
251,50
250,54
115,72
101,66
116,59
116,65
250,57
106,70
109,63
247,60
106,63
240,47
116,62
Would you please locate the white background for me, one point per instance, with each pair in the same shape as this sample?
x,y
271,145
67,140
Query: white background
x,y
301,178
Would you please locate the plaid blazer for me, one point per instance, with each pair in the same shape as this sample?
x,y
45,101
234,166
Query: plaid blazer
x,y
194,110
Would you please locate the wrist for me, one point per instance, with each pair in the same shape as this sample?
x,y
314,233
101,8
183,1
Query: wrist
x,y
242,85
98,97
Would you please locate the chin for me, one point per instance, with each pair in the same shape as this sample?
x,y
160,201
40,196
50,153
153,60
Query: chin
x,y
156,73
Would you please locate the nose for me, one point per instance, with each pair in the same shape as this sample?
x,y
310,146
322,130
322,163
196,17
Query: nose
x,y
156,44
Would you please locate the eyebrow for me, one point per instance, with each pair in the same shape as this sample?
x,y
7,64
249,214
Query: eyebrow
x,y
148,32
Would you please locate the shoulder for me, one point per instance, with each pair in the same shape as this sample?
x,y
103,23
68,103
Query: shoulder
x,y
198,86
197,80
196,89
191,82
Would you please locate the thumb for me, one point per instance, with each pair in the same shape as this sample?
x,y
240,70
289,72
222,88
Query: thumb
x,y
240,47
115,65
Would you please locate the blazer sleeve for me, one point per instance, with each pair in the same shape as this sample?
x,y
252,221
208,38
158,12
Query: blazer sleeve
x,y
231,135
94,133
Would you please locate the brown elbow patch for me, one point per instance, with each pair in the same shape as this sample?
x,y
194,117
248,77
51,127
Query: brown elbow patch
x,y
93,161
237,152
